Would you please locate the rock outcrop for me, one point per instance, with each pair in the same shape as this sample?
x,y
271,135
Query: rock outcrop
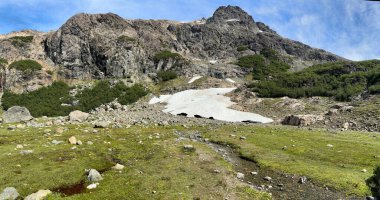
x,y
302,120
96,46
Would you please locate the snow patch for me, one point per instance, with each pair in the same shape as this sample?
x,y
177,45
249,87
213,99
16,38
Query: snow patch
x,y
194,79
233,20
208,103
230,80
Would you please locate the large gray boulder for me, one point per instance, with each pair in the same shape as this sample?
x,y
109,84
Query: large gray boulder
x,y
9,193
301,120
16,114
94,175
78,116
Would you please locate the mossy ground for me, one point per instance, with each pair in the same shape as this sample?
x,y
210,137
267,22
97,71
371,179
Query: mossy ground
x,y
157,164
307,153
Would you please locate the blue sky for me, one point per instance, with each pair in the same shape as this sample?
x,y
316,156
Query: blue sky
x,y
349,28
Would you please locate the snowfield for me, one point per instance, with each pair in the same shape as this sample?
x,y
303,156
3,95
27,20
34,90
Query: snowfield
x,y
208,103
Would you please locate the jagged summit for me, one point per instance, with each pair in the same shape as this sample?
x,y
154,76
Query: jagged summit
x,y
230,14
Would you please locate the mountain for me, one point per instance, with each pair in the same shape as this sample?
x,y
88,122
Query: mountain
x,y
95,46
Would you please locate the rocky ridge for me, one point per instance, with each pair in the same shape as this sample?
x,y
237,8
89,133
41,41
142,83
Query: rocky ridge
x,y
97,46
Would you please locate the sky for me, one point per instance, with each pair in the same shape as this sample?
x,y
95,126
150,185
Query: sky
x,y
349,28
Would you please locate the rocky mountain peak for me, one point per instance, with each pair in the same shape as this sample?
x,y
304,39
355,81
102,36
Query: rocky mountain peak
x,y
231,14
83,21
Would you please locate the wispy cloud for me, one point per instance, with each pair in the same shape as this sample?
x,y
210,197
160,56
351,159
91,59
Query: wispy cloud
x,y
349,28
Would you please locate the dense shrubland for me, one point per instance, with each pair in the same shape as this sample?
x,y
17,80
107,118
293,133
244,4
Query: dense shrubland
x,y
264,66
55,100
26,66
166,75
342,80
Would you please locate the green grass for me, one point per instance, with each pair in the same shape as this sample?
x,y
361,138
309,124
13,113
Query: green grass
x,y
157,164
126,39
338,167
26,66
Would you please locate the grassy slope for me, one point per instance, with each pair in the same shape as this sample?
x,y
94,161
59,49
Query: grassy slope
x,y
338,167
157,164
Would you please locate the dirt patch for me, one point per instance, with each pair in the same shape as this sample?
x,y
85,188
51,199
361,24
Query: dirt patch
x,y
71,190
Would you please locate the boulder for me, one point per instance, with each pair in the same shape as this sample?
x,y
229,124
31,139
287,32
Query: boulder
x,y
16,114
94,175
301,120
101,124
41,194
9,193
78,116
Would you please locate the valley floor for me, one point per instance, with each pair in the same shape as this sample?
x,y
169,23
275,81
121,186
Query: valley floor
x,y
157,166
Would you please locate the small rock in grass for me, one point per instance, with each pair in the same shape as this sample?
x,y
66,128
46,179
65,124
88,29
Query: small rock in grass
x,y
242,138
370,198
330,145
284,148
26,152
189,147
59,130
92,186
267,178
254,173
216,171
94,175
41,194
302,180
364,170
240,175
79,142
73,148
118,167
73,140
232,135
90,143
19,146
56,142
11,127
9,193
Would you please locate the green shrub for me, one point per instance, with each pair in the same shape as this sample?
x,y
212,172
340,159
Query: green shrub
x,y
26,39
27,66
242,48
43,102
265,65
21,41
47,101
125,39
374,182
165,55
342,80
166,75
3,62
104,92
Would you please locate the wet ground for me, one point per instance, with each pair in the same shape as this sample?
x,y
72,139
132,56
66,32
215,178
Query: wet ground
x,y
281,186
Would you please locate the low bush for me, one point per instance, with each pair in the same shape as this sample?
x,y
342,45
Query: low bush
x,y
166,75
43,102
51,100
27,66
242,48
266,65
342,80
21,41
126,39
165,55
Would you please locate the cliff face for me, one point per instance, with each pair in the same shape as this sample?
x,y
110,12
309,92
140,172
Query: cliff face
x,y
106,45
